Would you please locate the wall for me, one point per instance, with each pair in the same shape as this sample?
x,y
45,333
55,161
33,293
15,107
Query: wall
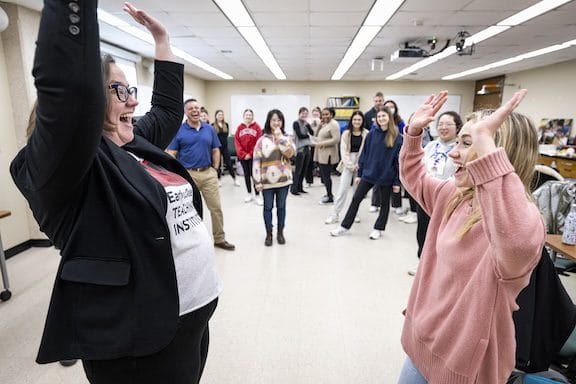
x,y
219,92
551,91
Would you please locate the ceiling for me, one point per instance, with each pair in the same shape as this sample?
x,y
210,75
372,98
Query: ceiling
x,y
309,37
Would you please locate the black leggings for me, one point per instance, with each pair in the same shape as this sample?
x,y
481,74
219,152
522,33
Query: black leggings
x,y
180,362
247,167
361,192
325,171
227,162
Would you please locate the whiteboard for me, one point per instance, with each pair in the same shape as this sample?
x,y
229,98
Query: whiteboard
x,y
261,104
407,104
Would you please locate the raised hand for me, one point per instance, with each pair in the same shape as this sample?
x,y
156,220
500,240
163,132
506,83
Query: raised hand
x,y
483,131
163,50
426,113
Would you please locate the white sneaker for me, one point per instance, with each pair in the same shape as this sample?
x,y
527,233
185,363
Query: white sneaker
x,y
357,219
375,235
373,209
340,231
259,201
332,219
400,211
248,199
410,218
236,182
219,183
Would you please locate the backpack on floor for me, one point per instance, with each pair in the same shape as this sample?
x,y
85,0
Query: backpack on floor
x,y
548,377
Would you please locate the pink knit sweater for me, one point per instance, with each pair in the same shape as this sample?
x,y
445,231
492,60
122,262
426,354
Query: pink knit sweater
x,y
458,327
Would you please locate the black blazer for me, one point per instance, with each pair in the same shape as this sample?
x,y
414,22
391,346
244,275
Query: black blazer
x,y
115,292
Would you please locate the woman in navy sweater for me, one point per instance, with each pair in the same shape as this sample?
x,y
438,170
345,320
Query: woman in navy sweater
x,y
377,166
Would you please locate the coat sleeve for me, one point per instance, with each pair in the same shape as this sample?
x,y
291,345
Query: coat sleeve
x,y
70,110
160,124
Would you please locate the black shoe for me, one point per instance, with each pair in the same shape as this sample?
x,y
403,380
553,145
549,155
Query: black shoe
x,y
268,241
280,236
302,191
326,200
295,193
67,363
225,245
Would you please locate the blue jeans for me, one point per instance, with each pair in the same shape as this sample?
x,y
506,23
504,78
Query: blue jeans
x,y
280,194
410,374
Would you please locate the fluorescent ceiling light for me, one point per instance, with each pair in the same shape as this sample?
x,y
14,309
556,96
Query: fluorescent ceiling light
x,y
147,37
533,11
256,41
236,12
528,55
484,34
241,19
378,16
381,12
520,17
361,40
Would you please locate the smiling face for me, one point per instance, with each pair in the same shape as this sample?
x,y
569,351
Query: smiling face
x,y
326,116
220,117
276,123
248,117
378,101
461,155
382,118
192,111
446,128
303,115
118,125
357,122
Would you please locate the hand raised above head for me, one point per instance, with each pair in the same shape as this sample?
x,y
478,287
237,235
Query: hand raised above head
x,y
484,130
426,113
152,24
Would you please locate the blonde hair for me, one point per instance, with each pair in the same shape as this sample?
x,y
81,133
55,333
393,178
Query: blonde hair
x,y
392,129
519,138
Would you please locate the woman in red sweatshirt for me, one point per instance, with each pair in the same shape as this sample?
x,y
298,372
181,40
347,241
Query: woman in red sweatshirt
x,y
247,134
485,238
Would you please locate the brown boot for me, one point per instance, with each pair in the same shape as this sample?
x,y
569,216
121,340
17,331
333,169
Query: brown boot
x,y
268,241
280,236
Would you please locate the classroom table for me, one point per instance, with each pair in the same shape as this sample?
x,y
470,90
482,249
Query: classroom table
x,y
554,242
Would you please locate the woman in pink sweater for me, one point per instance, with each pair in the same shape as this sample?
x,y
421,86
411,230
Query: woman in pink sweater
x,y
484,239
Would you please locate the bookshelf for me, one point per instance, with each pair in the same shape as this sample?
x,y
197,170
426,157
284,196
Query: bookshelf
x,y
344,106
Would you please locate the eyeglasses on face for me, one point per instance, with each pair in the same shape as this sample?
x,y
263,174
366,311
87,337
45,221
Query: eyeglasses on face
x,y
123,92
447,125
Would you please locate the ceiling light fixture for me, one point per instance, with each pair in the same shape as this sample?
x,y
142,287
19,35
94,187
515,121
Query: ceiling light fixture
x,y
116,22
378,16
238,15
520,17
528,55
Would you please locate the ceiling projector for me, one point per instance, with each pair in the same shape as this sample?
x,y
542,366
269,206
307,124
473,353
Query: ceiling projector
x,y
407,54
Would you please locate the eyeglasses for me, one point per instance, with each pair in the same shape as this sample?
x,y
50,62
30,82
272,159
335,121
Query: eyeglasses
x,y
123,92
447,125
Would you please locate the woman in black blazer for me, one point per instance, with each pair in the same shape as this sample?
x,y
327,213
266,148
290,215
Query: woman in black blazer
x,y
137,284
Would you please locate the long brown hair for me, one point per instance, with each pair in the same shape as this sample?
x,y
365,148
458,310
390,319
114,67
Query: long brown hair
x,y
392,129
519,138
220,128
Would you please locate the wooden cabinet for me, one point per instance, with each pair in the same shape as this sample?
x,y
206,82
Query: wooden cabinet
x,y
564,165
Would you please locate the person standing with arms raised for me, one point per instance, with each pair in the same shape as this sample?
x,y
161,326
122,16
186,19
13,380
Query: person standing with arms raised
x,y
136,285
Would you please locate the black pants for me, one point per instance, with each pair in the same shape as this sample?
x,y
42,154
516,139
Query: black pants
x,y
227,162
309,170
181,362
413,203
359,195
377,199
247,167
300,166
325,171
422,229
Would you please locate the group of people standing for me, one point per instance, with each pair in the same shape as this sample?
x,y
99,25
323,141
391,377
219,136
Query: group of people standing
x,y
137,283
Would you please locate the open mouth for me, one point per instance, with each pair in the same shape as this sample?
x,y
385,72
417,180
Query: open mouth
x,y
126,118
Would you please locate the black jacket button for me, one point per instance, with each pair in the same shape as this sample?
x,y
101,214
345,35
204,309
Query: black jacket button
x,y
74,18
73,29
